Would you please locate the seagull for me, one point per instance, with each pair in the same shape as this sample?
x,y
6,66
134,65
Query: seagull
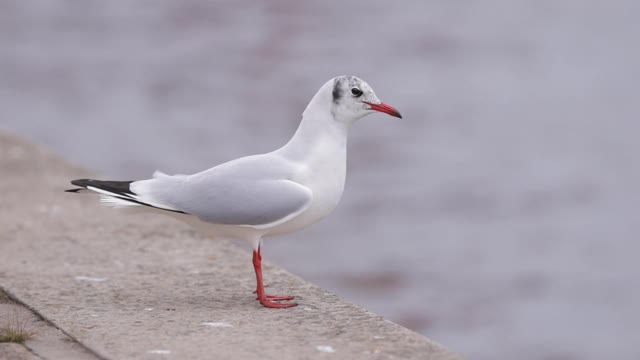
x,y
263,195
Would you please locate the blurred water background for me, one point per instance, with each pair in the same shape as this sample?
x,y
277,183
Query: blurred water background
x,y
499,217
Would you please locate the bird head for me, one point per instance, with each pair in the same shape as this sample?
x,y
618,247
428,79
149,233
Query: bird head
x,y
352,98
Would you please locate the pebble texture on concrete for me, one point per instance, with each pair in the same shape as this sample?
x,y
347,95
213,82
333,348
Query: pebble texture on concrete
x,y
147,287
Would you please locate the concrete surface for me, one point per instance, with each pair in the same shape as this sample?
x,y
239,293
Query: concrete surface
x,y
147,287
47,342
10,351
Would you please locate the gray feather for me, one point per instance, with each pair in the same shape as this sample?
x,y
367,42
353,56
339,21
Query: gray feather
x,y
253,191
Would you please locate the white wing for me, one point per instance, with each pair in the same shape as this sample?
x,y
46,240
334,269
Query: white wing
x,y
253,191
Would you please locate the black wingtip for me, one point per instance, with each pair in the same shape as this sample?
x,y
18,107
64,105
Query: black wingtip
x,y
116,187
81,182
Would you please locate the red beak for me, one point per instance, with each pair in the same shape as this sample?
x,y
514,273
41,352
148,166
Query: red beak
x,y
382,107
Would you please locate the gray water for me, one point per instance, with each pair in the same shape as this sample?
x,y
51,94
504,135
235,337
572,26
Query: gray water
x,y
499,217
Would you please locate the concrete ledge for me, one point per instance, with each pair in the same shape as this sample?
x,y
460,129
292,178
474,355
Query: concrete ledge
x,y
147,287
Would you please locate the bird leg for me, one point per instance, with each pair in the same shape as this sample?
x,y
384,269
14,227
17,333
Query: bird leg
x,y
267,300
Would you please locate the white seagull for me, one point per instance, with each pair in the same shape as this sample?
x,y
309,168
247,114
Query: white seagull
x,y
261,195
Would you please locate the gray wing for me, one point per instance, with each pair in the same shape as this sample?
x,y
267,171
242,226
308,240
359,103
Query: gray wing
x,y
251,191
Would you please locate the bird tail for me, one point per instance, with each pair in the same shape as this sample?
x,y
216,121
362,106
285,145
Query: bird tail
x,y
116,194
112,193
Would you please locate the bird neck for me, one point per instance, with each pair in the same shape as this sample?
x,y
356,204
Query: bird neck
x,y
319,135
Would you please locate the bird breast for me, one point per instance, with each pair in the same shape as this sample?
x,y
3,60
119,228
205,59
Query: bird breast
x,y
327,191
325,176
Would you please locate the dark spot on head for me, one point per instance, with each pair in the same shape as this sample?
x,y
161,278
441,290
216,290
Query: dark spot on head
x,y
337,92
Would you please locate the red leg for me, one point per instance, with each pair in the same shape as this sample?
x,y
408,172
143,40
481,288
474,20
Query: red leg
x,y
267,300
270,297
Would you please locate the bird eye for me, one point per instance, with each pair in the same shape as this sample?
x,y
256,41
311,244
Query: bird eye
x,y
356,92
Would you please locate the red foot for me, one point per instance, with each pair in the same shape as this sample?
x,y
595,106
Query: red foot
x,y
278,298
274,305
275,297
